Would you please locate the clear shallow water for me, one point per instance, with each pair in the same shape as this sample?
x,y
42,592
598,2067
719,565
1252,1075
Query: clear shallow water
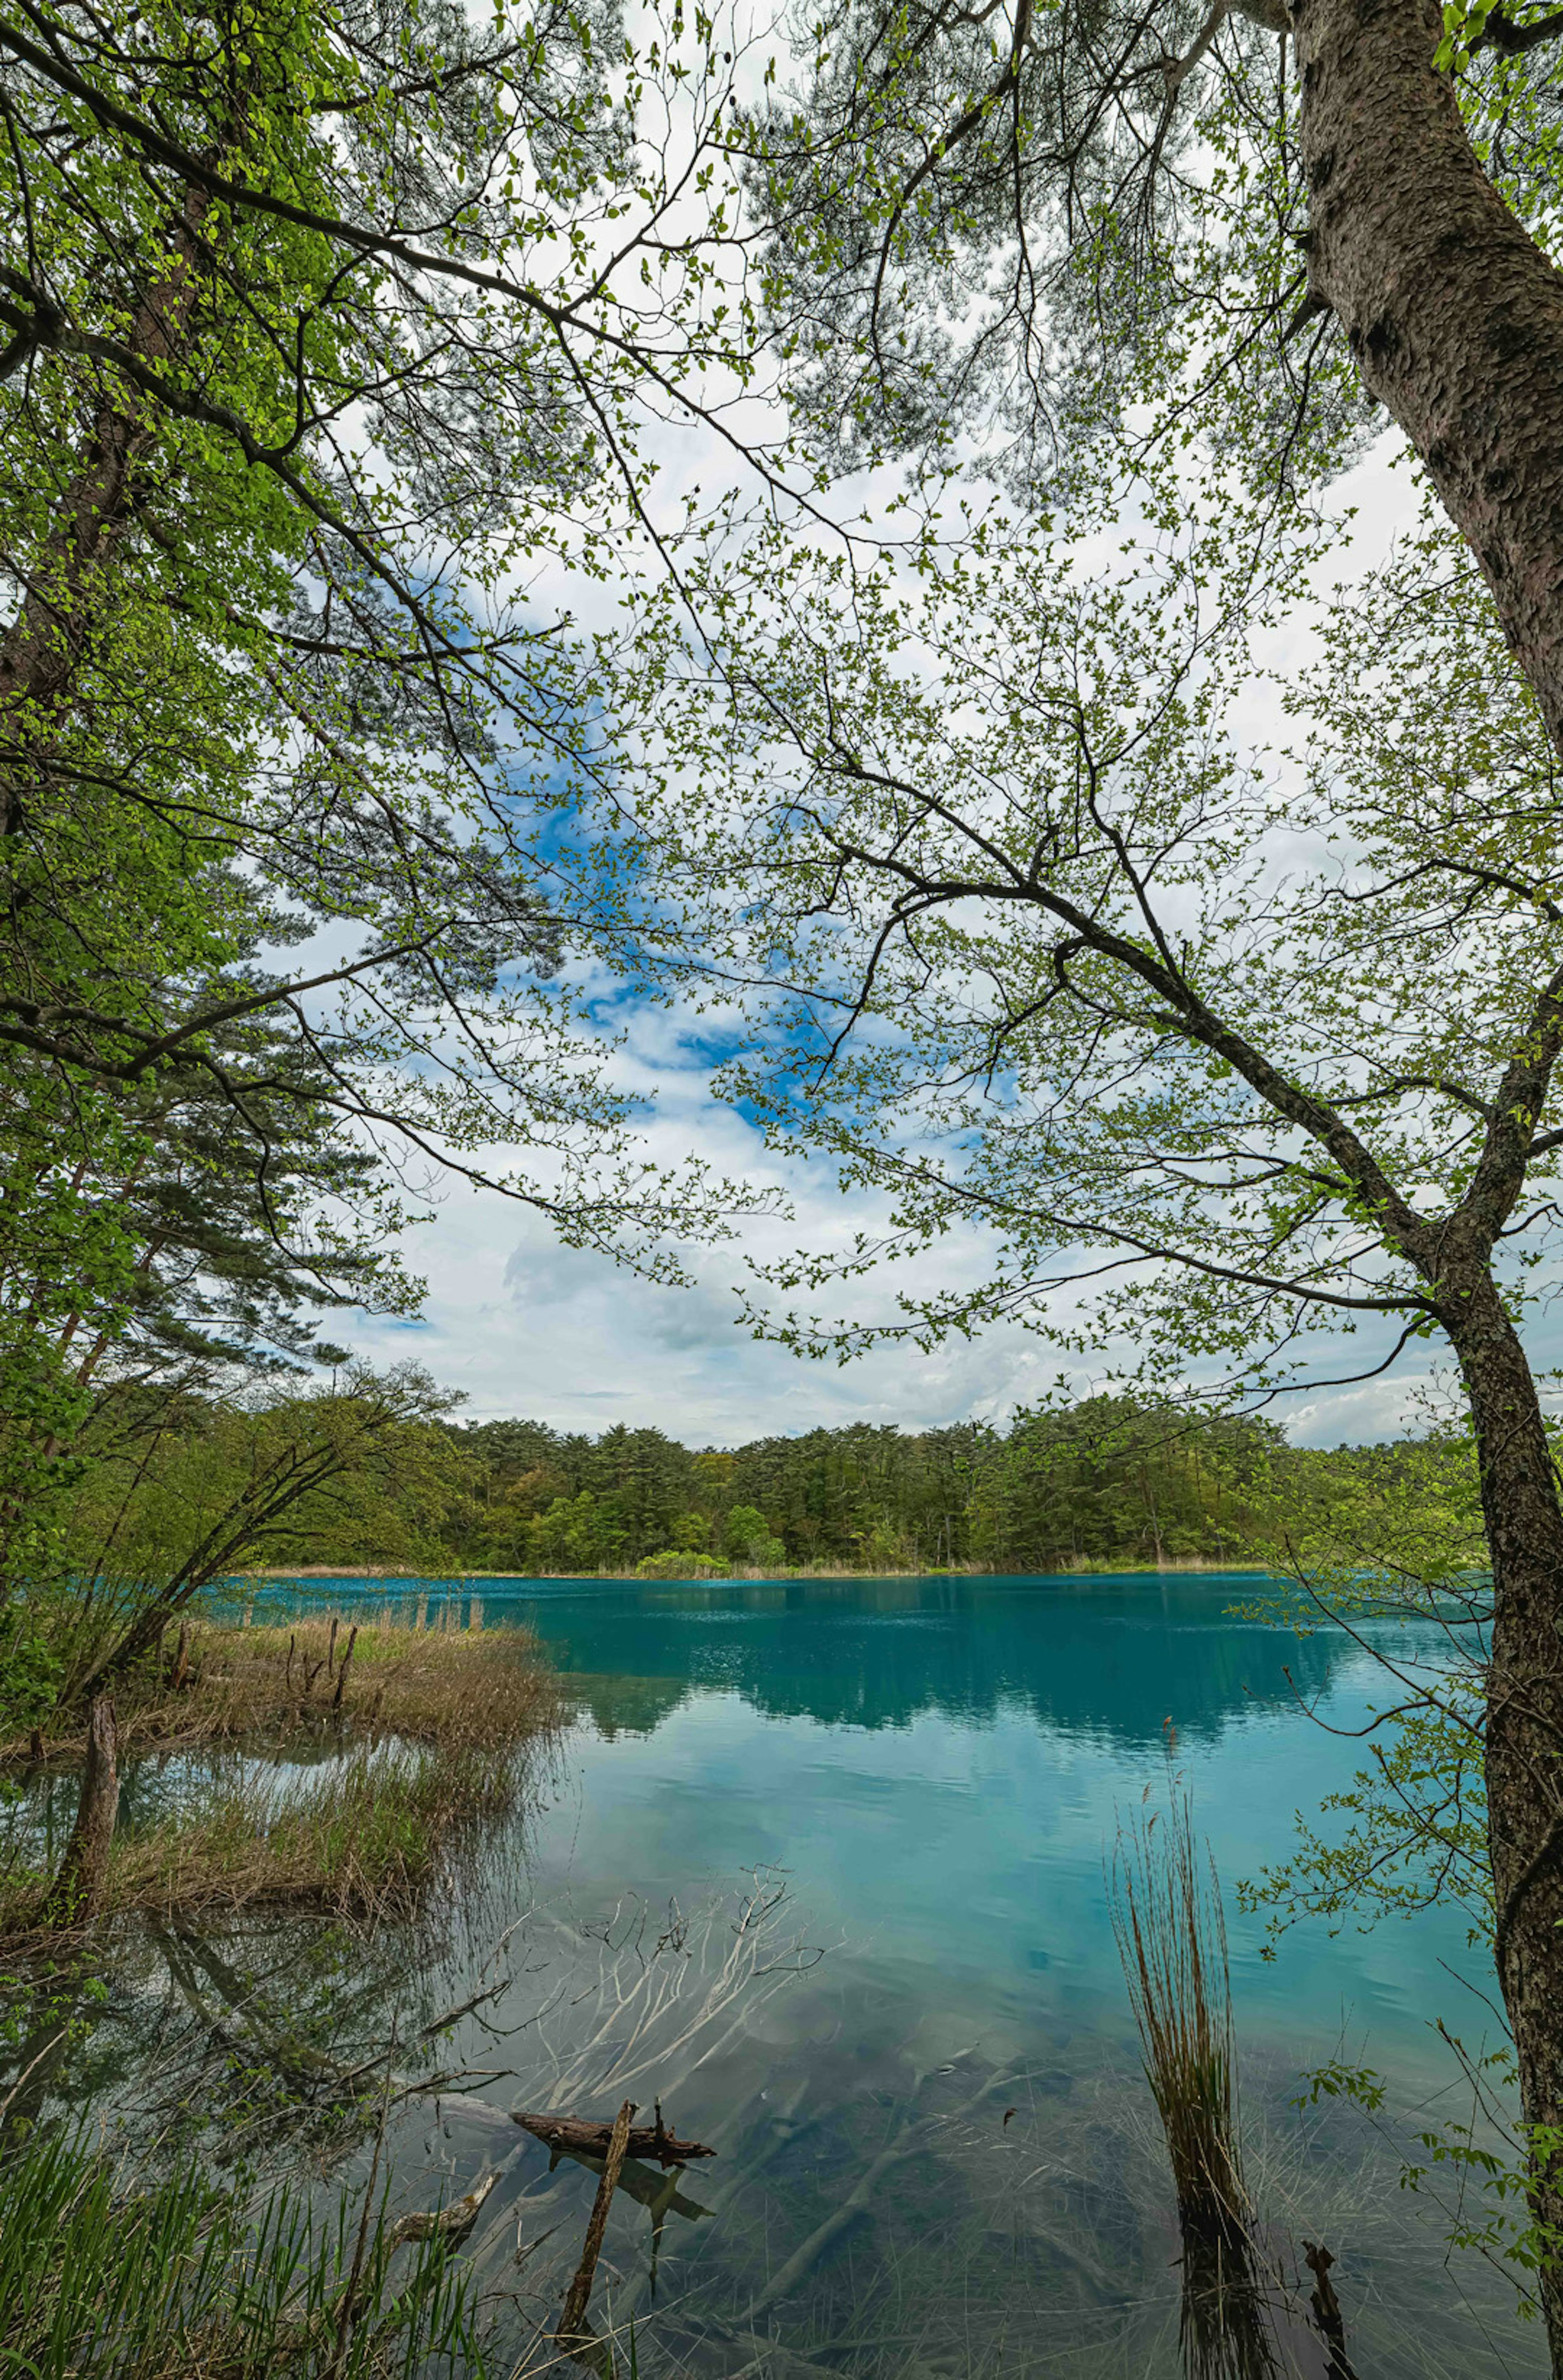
x,y
933,1770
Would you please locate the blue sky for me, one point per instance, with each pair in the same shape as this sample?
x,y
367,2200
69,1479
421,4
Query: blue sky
x,y
523,1326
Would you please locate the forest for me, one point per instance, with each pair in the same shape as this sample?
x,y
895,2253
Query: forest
x,y
1105,1483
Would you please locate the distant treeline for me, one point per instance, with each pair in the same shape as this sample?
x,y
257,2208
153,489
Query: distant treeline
x,y
379,1474
1104,1481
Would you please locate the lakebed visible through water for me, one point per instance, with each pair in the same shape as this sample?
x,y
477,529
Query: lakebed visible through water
x,y
820,1865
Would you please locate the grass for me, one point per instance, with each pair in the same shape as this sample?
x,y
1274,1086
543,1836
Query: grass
x,y
447,1686
421,1731
368,1836
107,2271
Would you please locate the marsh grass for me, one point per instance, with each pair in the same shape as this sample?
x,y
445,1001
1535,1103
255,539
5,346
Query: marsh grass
x,y
367,1835
1172,1939
452,1687
104,2270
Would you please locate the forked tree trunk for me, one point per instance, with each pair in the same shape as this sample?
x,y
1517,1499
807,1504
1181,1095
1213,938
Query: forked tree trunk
x,y
1525,1758
1453,313
77,1892
69,602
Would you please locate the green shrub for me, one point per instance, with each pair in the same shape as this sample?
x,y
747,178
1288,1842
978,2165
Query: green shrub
x,y
682,1565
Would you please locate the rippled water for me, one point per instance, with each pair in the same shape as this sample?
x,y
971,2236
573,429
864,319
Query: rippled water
x,y
820,1865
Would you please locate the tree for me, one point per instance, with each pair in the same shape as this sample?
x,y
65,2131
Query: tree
x,y
1220,1048
324,332
1042,217
181,1494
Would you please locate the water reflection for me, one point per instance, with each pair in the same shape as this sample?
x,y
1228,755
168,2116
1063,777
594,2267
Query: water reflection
x,y
1111,1658
936,2155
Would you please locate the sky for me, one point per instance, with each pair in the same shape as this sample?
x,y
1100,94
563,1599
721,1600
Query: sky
x,y
525,1328
522,1326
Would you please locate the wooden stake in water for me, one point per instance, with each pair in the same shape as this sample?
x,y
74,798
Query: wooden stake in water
x,y
572,2332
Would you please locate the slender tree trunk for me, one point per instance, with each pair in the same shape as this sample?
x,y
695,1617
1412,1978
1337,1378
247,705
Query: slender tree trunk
x,y
77,1890
1453,313
1524,1753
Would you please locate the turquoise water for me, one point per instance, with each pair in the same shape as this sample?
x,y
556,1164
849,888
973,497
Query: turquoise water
x,y
912,1786
939,1766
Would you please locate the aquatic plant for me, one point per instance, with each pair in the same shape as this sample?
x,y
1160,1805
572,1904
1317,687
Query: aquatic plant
x,y
1172,1939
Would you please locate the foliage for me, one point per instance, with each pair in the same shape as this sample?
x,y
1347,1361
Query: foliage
x,y
311,364
308,362
171,1496
1037,946
1030,236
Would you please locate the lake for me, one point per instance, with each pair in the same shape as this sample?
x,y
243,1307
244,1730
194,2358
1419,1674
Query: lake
x,y
821,1865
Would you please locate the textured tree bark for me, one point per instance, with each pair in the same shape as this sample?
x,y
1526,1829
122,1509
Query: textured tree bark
x,y
77,1890
61,611
1524,1753
1453,313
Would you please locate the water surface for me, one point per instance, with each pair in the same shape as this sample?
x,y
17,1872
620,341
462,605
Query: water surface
x,y
821,1865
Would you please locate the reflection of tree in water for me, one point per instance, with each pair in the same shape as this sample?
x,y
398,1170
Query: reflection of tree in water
x,y
878,2209
253,2034
1102,1659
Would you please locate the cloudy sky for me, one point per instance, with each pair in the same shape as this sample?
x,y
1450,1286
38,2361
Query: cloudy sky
x,y
522,1326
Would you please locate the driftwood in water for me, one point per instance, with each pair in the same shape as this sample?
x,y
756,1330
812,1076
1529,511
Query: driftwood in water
x,y
451,2223
658,2192
78,1889
571,2334
583,2139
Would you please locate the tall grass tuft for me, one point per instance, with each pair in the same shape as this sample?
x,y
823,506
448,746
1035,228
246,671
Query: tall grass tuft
x,y
108,2272
1172,1939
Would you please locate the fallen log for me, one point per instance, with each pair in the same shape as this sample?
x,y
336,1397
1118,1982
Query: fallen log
x,y
582,2138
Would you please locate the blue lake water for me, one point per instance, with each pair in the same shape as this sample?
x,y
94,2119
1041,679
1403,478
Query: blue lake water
x,y
911,1786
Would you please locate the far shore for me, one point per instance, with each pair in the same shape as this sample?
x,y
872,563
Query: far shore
x,y
1183,1566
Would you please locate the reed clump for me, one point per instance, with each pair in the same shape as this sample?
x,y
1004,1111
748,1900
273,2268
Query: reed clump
x,y
1172,1939
450,1687
129,2277
368,1835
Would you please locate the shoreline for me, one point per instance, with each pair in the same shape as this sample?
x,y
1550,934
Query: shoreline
x,y
1189,1567
401,1743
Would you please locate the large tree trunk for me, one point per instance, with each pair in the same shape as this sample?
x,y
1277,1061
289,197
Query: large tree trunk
x,y
1453,313
1524,1759
62,611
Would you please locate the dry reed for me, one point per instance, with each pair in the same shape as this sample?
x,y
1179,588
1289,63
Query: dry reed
x,y
450,1687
